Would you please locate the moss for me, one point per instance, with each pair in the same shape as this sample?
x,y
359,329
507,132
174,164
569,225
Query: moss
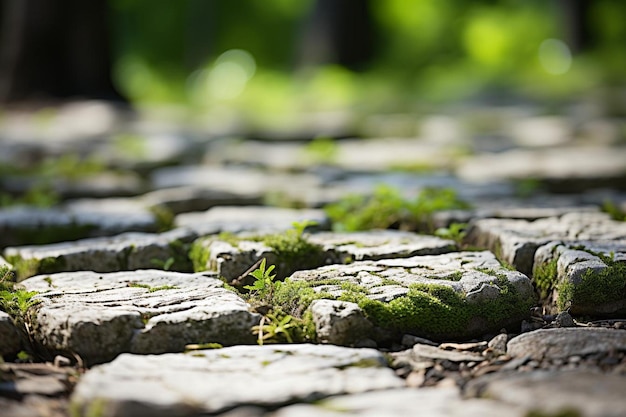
x,y
454,276
436,311
199,254
545,277
595,287
26,268
179,252
293,252
163,217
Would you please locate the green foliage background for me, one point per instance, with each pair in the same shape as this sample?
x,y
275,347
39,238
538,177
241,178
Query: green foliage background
x,y
435,50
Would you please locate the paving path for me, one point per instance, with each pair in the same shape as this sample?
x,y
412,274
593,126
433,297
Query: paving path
x,y
135,295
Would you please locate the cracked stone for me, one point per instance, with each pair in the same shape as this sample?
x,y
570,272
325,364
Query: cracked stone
x,y
99,316
210,381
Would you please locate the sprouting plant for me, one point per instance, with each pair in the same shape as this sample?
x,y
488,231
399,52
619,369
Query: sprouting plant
x,y
300,227
613,210
456,232
277,327
164,265
322,149
264,284
14,301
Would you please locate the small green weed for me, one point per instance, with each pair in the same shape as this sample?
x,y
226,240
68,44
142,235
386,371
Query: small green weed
x,y
456,232
614,211
264,285
387,209
14,301
279,327
164,265
322,150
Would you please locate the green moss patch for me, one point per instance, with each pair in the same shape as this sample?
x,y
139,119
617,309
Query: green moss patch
x,y
431,310
596,286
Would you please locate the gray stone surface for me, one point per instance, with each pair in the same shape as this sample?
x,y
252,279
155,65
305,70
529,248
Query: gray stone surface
x,y
431,402
99,316
192,198
10,342
565,342
470,276
584,282
211,381
380,244
91,185
339,322
127,251
22,225
515,241
252,218
248,182
590,394
597,165
114,215
230,259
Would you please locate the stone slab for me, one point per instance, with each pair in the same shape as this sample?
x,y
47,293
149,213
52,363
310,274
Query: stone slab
x,y
566,342
230,259
431,402
515,241
435,296
583,277
99,316
581,393
252,218
246,182
21,225
193,198
562,168
210,381
127,251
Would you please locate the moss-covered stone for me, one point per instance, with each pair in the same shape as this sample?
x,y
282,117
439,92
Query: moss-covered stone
x,y
28,267
591,283
437,311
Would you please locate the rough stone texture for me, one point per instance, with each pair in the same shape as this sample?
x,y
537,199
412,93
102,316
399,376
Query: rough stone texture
x,y
210,381
9,338
431,402
565,167
249,182
339,322
515,241
96,185
471,276
255,218
230,259
590,394
187,199
565,342
421,355
99,316
380,244
127,251
29,225
114,215
596,286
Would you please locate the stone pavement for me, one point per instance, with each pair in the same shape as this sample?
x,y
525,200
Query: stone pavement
x,y
135,295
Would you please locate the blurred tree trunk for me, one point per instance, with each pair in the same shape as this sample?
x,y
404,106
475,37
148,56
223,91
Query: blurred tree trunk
x,y
55,49
576,21
339,32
